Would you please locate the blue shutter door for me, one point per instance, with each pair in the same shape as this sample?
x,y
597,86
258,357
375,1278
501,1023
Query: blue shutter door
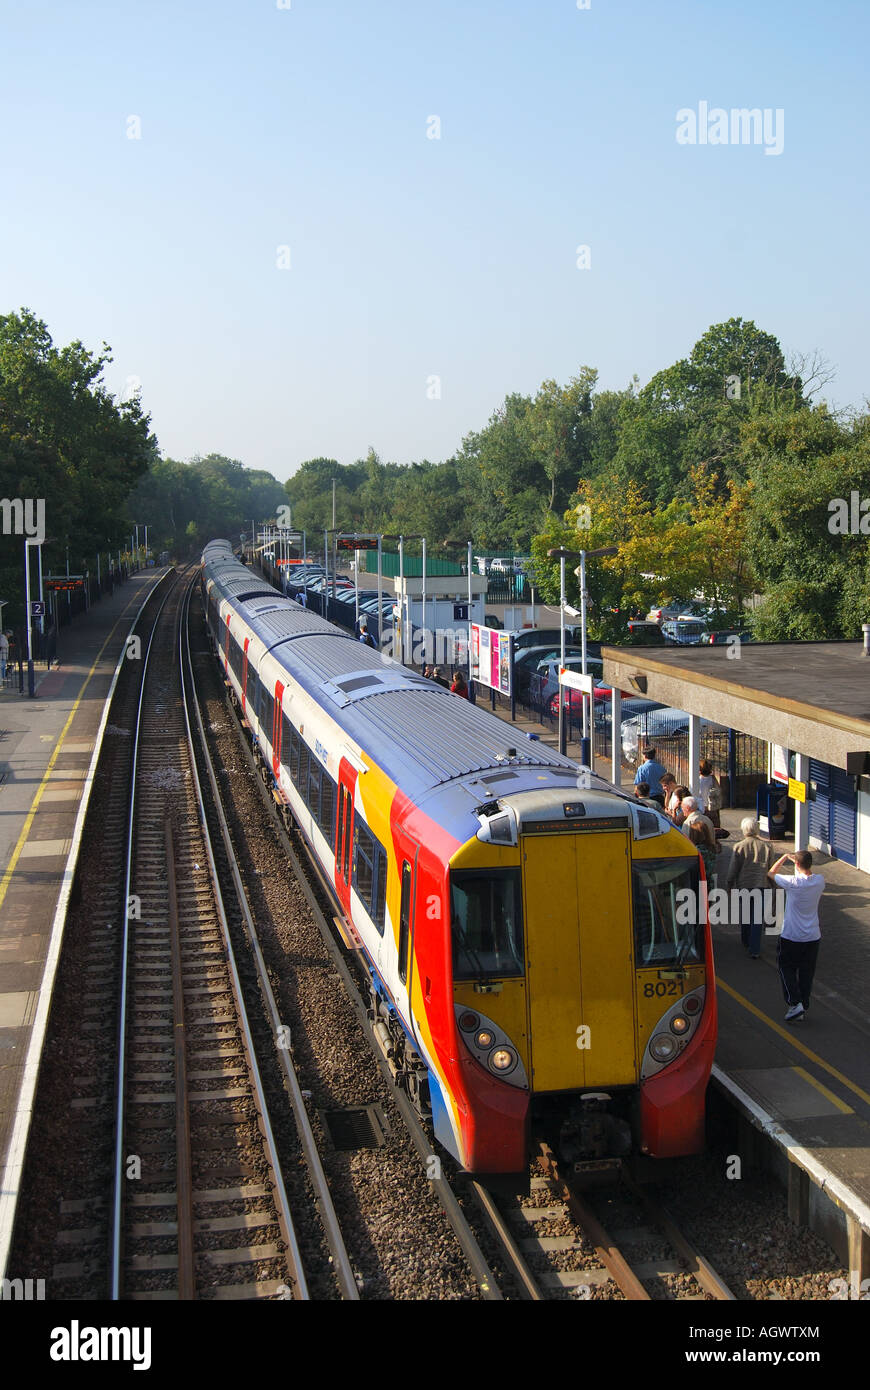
x,y
820,820
844,816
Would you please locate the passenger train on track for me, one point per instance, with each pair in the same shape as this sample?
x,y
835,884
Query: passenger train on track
x,y
519,918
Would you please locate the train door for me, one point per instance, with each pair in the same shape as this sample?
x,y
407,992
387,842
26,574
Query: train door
x,y
227,647
276,730
579,947
344,833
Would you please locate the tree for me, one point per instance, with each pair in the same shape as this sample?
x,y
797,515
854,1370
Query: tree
x,y
64,438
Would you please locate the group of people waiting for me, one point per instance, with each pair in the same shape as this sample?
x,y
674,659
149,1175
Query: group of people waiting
x,y
697,816
752,866
458,686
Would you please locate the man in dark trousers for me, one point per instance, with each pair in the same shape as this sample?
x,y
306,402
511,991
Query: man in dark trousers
x,y
799,943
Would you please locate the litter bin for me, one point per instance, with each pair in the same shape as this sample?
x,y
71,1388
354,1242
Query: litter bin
x,y
774,810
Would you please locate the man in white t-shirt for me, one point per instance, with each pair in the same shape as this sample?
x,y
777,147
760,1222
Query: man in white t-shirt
x,y
799,943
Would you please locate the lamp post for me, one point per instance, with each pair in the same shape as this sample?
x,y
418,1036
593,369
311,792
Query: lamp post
x,y
562,556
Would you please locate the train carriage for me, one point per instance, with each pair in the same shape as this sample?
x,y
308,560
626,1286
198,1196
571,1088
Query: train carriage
x,y
529,934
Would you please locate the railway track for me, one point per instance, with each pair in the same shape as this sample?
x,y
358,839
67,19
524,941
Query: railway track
x,y
208,1214
555,1244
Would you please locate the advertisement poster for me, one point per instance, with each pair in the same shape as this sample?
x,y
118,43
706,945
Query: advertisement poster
x,y
490,658
475,652
504,646
484,655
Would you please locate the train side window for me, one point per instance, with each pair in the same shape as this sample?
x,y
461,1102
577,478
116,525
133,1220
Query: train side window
x,y
405,921
302,770
326,818
379,915
314,788
364,865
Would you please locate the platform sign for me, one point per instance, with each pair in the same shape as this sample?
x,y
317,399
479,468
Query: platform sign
x,y
37,608
780,763
64,582
576,680
356,543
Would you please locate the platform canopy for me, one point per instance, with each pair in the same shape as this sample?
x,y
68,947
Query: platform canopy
x,y
810,697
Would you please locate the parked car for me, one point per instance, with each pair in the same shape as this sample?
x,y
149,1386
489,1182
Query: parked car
x,y
686,632
644,634
654,727
551,636
530,658
549,670
723,635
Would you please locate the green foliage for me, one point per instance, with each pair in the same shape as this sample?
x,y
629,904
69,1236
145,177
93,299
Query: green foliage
x,y
65,439
188,504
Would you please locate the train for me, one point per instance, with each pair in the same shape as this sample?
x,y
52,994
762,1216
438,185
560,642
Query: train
x,y
519,918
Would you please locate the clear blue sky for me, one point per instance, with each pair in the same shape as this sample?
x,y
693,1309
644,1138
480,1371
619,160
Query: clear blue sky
x,y
264,127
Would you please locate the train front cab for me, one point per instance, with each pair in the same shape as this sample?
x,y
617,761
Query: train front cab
x,y
579,949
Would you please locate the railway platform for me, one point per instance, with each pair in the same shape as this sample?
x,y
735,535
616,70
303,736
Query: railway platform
x,y
46,749
805,1086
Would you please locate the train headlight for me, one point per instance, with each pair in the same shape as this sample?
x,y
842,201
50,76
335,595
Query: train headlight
x,y
692,1005
485,1038
663,1047
468,1021
679,1024
503,1059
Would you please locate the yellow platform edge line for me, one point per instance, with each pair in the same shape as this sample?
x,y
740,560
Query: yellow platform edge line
x,y
795,1042
828,1094
37,797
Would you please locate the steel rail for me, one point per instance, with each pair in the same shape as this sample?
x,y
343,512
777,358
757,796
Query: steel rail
x,y
503,1232
699,1268
184,1180
605,1248
120,1096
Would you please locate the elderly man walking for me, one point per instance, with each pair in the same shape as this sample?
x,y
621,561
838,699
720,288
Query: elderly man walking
x,y
799,942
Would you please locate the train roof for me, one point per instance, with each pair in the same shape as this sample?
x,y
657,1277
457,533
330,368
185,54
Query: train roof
x,y
419,733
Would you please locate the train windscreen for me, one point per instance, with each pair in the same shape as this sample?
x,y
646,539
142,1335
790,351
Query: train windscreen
x,y
669,912
487,924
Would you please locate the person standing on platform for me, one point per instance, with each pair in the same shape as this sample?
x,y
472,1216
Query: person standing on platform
x,y
750,862
799,942
710,793
652,773
458,685
4,654
364,635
